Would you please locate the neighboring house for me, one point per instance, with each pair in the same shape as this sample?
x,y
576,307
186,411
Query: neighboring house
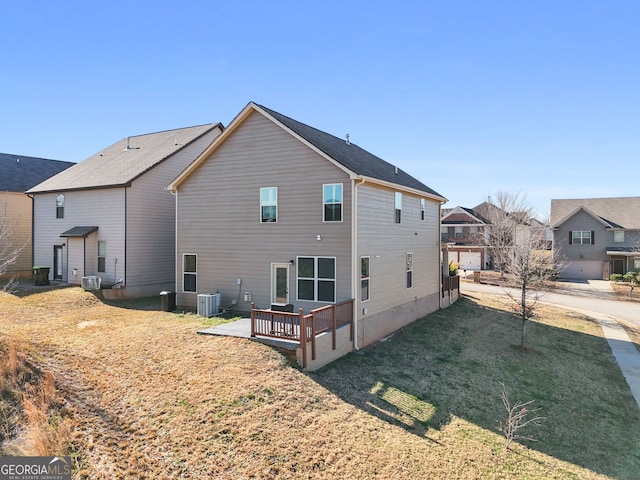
x,y
18,174
470,232
597,236
278,213
110,216
466,232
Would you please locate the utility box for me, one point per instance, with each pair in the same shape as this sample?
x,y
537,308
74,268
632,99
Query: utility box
x,y
208,304
40,275
168,301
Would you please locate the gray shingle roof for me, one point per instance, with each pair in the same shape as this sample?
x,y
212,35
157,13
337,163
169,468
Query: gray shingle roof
x,y
79,232
350,155
19,173
118,166
621,212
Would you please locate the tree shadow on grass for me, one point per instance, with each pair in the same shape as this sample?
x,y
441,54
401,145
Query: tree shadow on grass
x,y
450,364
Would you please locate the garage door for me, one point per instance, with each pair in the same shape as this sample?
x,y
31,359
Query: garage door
x,y
583,269
470,261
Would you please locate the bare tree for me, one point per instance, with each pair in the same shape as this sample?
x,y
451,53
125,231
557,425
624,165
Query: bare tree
x,y
503,212
520,251
9,251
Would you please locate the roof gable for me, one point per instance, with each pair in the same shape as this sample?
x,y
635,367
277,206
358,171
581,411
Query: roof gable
x,y
125,160
19,173
461,215
348,156
621,212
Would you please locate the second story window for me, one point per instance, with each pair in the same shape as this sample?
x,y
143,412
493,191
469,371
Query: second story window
x,y
59,206
581,237
269,204
398,204
618,236
459,232
332,202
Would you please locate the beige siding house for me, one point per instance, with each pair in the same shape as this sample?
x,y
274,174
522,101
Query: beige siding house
x,y
18,173
111,217
278,213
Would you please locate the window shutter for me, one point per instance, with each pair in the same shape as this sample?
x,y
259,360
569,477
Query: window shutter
x,y
570,237
593,237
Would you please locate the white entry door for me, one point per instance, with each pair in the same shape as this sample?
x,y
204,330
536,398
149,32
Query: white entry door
x,y
280,283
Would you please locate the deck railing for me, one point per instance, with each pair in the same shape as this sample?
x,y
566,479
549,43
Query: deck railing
x,y
301,328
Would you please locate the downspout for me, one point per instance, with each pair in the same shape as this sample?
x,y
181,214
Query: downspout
x,y
175,241
126,225
440,256
354,261
33,224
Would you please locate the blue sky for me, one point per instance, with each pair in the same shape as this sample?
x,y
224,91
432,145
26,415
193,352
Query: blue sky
x,y
472,97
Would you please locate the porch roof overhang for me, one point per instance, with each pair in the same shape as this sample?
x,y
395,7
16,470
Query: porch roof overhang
x,y
80,232
623,251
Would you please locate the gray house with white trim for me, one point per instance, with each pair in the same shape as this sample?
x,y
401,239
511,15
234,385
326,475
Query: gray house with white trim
x,y
276,212
110,216
598,236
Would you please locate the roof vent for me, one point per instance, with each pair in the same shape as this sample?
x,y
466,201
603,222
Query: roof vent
x,y
396,170
346,138
129,147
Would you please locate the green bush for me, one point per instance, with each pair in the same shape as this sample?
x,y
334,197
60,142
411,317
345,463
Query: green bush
x,y
630,276
615,277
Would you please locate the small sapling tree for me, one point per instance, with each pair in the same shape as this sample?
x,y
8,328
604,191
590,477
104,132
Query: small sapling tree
x,y
517,419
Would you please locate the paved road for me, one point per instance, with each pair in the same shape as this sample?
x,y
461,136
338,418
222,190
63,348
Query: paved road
x,y
592,297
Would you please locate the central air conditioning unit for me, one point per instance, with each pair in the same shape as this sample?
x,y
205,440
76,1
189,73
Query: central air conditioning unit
x,y
208,304
91,283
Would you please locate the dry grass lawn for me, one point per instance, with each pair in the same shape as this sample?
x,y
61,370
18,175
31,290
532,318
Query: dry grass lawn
x,y
144,396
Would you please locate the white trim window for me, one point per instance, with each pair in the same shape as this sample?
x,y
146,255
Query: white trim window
x,y
269,204
581,237
365,278
332,202
316,279
398,207
59,205
618,236
409,269
102,256
636,263
189,272
423,208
